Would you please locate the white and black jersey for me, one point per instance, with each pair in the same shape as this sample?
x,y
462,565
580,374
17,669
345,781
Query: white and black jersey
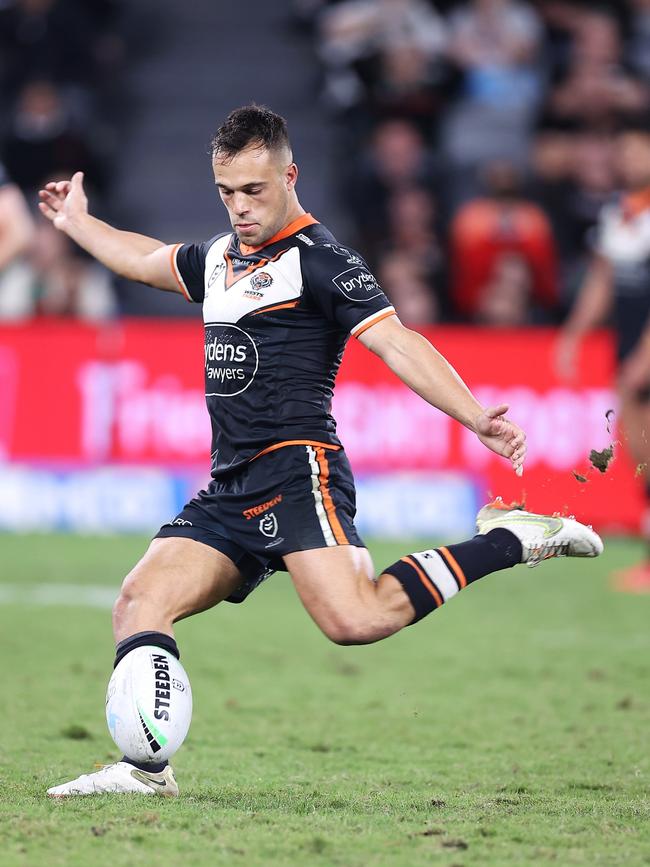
x,y
624,241
277,318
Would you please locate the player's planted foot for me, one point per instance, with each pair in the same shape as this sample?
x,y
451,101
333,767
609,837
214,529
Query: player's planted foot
x,y
119,778
541,536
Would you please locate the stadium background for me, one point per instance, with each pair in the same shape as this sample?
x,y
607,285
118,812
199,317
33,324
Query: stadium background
x,y
464,148
508,730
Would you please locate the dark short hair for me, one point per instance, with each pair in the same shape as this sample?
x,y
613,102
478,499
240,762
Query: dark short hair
x,y
250,125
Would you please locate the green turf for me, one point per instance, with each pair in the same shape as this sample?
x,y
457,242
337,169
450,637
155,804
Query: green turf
x,y
511,728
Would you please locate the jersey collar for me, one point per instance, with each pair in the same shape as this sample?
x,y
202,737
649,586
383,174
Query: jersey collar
x,y
296,225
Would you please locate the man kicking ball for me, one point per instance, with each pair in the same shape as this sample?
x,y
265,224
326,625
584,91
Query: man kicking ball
x,y
280,297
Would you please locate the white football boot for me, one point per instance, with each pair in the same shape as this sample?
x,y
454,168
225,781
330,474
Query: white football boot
x,y
118,779
541,536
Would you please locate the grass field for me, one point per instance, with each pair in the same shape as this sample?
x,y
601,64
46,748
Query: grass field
x,y
510,728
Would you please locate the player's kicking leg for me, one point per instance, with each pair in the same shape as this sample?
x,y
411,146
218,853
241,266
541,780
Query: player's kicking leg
x,y
338,588
177,577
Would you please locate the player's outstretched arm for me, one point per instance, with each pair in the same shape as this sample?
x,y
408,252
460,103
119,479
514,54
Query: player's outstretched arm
x,y
429,374
128,254
590,310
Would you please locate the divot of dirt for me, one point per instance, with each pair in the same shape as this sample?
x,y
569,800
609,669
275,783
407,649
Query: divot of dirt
x,y
601,460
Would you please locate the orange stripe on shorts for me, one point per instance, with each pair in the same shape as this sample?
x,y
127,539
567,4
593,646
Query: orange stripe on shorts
x,y
323,479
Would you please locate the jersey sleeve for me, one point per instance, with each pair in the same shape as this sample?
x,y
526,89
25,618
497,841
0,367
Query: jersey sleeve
x,y
344,288
599,237
188,263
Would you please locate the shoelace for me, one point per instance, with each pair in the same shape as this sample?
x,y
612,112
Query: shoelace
x,y
548,549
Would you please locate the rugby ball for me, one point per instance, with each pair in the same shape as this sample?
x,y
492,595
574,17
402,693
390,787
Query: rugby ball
x,y
149,705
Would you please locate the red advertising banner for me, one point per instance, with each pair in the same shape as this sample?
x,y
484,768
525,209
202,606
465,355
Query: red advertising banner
x,y
132,393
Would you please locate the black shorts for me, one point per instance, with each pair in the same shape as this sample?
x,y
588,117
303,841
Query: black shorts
x,y
294,498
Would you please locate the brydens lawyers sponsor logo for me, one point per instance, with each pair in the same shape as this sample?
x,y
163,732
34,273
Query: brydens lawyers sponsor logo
x,y
231,360
357,284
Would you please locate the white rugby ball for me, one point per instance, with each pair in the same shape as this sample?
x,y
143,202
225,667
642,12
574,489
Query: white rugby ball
x,y
149,705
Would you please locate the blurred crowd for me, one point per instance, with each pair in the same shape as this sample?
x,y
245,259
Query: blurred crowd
x,y
476,143
64,102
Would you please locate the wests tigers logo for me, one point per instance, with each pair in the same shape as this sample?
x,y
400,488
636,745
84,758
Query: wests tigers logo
x,y
261,280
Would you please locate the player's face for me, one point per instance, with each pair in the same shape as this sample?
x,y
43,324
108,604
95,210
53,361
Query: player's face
x,y
633,158
256,186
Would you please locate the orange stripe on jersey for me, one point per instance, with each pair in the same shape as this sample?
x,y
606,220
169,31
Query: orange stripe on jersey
x,y
323,480
295,226
451,561
177,273
284,306
282,445
381,315
433,590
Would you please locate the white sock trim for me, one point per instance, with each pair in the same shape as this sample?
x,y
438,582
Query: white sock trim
x,y
438,572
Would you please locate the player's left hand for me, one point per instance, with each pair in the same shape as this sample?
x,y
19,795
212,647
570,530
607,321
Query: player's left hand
x,y
502,436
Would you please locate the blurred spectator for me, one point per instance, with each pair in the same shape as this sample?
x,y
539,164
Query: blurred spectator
x,y
597,84
386,47
502,222
57,279
552,163
639,42
67,41
16,233
594,183
505,300
404,281
397,160
495,43
412,227
574,178
408,84
44,38
42,140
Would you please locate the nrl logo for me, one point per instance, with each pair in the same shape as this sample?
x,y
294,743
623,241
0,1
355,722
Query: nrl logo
x,y
261,280
269,526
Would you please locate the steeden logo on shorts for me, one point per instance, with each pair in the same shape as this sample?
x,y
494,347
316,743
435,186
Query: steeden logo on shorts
x,y
254,511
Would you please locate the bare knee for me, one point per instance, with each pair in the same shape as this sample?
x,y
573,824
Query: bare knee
x,y
130,597
349,629
137,608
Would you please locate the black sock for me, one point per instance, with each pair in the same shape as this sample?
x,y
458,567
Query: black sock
x,y
152,767
145,639
430,578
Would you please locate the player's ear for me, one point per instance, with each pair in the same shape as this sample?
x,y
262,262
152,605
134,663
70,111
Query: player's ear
x,y
291,176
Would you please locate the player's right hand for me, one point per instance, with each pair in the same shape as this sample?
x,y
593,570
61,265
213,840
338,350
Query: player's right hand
x,y
62,201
